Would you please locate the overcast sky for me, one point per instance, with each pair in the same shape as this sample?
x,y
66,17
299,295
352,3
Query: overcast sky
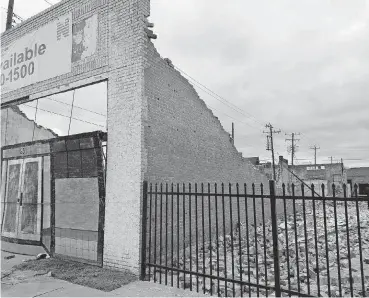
x,y
301,65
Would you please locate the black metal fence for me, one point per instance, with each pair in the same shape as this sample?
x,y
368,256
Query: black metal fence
x,y
231,241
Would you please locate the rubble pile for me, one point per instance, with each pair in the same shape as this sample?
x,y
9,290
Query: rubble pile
x,y
301,268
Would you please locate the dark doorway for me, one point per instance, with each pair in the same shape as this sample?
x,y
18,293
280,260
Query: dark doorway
x,y
364,189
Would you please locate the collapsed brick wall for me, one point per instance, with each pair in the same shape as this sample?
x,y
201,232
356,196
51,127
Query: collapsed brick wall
x,y
186,143
17,128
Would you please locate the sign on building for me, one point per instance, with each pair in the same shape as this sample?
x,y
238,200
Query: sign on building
x,y
40,55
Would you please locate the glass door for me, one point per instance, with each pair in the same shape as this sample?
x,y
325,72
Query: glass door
x,y
29,225
22,218
12,198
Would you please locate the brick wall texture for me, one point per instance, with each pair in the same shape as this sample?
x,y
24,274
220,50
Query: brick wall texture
x,y
185,142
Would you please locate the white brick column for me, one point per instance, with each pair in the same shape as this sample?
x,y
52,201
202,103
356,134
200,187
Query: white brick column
x,y
125,134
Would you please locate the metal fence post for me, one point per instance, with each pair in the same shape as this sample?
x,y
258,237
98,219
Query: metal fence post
x,y
275,238
143,232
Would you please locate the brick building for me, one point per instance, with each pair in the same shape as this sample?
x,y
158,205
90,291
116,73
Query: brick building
x,y
98,77
326,174
321,174
360,177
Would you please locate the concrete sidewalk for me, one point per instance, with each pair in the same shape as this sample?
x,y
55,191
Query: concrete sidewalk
x,y
50,287
27,284
21,249
151,289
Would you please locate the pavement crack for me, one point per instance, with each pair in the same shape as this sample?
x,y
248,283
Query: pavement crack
x,y
48,292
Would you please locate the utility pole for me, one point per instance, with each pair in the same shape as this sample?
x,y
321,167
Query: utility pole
x,y
331,158
315,148
9,17
233,133
271,147
342,167
293,145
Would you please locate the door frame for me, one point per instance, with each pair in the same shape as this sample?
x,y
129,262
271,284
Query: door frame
x,y
9,163
18,233
27,236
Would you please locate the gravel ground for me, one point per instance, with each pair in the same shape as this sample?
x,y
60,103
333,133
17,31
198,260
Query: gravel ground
x,y
312,268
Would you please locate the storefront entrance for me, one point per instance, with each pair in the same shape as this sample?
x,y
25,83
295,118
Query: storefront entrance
x,y
53,195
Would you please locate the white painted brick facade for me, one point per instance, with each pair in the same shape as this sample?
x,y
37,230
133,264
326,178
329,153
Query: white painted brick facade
x,y
119,59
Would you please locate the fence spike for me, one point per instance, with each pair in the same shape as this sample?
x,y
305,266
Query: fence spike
x,y
312,190
322,188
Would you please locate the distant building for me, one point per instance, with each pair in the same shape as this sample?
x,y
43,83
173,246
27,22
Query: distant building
x,y
359,176
253,160
323,174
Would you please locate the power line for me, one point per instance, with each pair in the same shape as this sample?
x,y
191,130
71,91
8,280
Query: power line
x,y
355,149
223,112
240,121
93,123
14,15
337,160
233,106
222,99
218,110
68,104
